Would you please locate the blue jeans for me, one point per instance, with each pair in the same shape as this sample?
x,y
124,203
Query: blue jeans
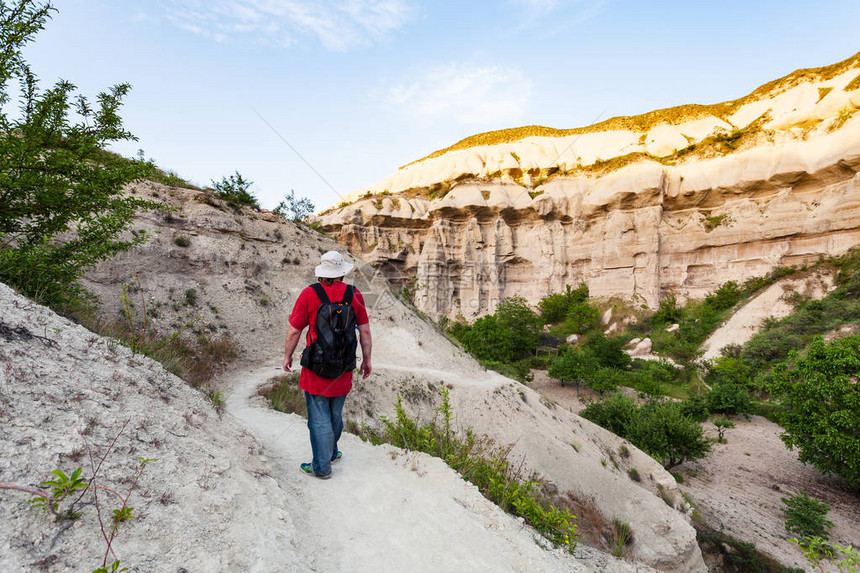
x,y
325,424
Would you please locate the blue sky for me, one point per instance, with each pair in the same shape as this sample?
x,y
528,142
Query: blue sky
x,y
359,88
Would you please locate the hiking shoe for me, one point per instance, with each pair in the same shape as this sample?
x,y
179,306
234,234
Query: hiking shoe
x,y
337,457
309,469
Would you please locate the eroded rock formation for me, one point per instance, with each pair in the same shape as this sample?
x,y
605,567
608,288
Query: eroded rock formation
x,y
677,200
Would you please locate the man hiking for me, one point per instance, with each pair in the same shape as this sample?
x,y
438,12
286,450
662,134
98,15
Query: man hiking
x,y
333,311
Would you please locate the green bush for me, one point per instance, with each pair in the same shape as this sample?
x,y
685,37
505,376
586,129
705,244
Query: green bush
x,y
729,370
554,307
806,517
667,312
725,297
294,208
616,414
484,465
523,325
695,408
486,339
605,380
660,429
508,335
609,352
286,396
573,366
235,189
727,398
580,318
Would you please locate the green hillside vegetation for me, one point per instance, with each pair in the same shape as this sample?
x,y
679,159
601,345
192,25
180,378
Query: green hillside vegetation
x,y
787,372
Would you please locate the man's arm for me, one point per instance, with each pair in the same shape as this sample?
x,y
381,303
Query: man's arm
x,y
293,336
366,345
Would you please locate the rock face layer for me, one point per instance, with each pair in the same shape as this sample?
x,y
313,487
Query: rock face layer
x,y
681,206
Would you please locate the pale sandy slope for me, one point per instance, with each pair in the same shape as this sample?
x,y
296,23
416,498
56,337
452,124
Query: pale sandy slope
x,y
772,303
390,510
225,493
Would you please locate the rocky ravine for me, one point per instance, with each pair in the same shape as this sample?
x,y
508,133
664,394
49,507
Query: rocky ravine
x,y
224,493
236,259
677,200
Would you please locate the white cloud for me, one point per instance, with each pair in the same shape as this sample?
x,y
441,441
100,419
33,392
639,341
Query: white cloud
x,y
470,94
339,25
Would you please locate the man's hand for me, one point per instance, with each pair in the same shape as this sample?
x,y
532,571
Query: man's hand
x,y
293,335
365,369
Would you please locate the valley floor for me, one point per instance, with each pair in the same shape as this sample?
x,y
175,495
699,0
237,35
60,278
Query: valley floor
x,y
739,486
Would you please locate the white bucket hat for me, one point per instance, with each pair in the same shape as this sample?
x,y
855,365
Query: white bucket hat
x,y
332,266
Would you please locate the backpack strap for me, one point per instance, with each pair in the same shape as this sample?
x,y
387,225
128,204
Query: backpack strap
x,y
347,296
318,288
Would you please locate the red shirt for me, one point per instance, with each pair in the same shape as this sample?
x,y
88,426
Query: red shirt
x,y
304,314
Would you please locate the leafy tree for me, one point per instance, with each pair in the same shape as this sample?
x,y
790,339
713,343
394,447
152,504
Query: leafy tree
x,y
662,431
488,340
62,209
821,399
294,208
554,307
606,380
728,398
668,312
609,352
616,414
731,370
573,366
235,189
726,296
695,407
581,317
522,324
806,517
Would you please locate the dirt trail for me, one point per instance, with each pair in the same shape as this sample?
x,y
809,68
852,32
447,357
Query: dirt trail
x,y
389,511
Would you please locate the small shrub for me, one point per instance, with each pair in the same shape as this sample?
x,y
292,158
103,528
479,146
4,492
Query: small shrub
x,y
286,396
728,398
609,352
235,189
581,317
554,307
573,366
806,517
712,223
634,474
294,208
191,297
181,241
620,537
844,115
482,463
722,424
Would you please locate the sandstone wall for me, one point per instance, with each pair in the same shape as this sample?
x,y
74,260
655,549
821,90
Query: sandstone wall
x,y
638,232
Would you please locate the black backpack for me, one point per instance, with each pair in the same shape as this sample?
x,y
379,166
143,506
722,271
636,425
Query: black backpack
x,y
332,352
